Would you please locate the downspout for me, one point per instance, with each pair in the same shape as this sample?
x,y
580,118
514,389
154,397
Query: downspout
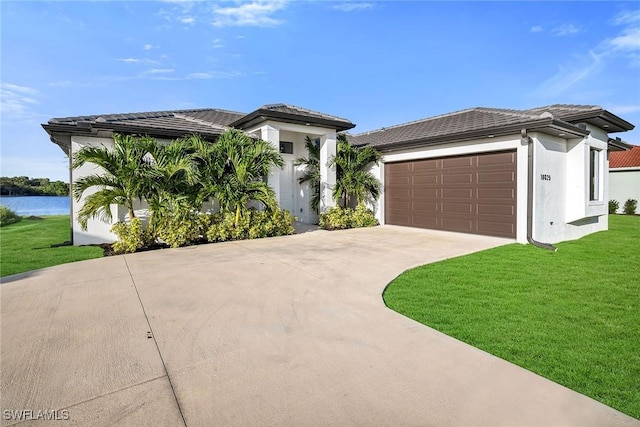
x,y
70,194
526,138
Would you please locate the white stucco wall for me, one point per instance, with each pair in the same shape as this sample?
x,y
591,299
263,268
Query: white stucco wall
x,y
624,184
97,230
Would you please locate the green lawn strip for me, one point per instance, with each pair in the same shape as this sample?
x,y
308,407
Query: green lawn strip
x,y
26,245
572,316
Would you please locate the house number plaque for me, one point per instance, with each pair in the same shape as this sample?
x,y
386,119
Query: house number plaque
x,y
545,177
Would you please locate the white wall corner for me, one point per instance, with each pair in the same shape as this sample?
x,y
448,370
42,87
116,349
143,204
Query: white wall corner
x,y
327,174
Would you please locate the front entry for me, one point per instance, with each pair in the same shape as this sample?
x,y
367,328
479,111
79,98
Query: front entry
x,y
287,196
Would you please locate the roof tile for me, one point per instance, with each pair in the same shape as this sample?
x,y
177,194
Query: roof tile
x,y
625,159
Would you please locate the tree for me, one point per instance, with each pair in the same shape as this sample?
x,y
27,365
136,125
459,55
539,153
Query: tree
x,y
352,178
311,173
237,166
127,175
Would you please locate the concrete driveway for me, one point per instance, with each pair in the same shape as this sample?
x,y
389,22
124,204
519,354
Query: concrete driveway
x,y
283,331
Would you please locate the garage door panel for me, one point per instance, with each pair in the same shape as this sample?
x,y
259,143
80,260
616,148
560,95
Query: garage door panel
x,y
508,210
424,207
422,193
424,165
501,177
457,193
457,224
471,194
457,178
454,162
425,222
457,208
425,180
496,193
499,159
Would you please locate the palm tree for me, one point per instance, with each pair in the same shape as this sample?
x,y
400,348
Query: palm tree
x,y
352,180
127,176
238,168
311,173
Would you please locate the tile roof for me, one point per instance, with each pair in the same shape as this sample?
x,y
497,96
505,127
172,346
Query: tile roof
x,y
292,114
625,159
481,121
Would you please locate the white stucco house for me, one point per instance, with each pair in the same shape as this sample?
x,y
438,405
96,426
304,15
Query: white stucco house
x,y
624,176
538,175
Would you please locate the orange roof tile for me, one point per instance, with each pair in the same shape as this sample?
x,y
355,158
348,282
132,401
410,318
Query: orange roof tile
x,y
625,159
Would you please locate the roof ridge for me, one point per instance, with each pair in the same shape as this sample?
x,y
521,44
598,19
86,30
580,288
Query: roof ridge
x,y
439,116
200,121
139,115
302,110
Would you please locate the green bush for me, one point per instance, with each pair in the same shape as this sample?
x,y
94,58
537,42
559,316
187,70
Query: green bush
x,y
630,206
184,229
613,206
131,236
253,224
7,216
337,218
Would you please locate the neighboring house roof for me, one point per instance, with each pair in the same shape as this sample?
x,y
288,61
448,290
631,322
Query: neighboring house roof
x,y
625,159
209,123
292,114
558,120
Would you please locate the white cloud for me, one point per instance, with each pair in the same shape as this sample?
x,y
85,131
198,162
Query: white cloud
x,y
536,29
130,60
565,30
569,75
160,71
17,101
148,47
189,20
202,76
63,83
353,6
629,39
627,17
256,13
217,44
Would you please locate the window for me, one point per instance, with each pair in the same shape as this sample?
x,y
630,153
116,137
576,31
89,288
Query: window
x,y
594,174
286,147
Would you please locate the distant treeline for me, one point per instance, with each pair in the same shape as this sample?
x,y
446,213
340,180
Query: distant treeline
x,y
25,186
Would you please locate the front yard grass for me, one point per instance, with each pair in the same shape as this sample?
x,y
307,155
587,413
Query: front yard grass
x,y
26,245
572,316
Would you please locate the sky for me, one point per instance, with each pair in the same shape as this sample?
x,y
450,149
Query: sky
x,y
376,63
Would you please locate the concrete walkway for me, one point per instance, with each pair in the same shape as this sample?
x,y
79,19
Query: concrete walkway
x,y
284,331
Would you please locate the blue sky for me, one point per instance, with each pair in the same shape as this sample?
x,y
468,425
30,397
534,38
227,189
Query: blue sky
x,y
375,63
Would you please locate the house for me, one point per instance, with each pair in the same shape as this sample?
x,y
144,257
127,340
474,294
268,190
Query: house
x,y
624,175
529,175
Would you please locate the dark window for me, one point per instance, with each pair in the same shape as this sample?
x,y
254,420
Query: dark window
x,y
286,147
594,174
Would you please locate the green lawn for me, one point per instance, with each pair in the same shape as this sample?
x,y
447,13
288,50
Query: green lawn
x,y
572,316
26,245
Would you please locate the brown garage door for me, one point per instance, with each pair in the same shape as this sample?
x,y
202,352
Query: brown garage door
x,y
470,194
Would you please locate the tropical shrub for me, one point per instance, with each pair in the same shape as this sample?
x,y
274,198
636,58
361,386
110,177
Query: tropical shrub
x,y
184,229
353,181
363,217
131,236
127,175
630,206
254,224
7,216
311,174
614,205
339,218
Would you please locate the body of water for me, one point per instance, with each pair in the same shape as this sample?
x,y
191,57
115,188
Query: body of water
x,y
37,205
